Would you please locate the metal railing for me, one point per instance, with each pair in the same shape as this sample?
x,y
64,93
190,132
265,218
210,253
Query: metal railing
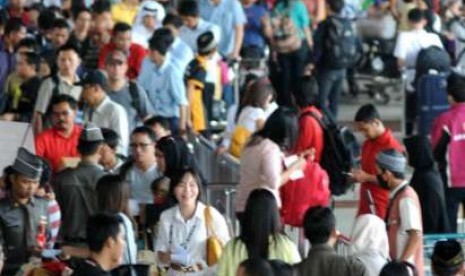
x,y
222,175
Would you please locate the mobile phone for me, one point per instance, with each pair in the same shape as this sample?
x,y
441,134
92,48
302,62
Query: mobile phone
x,y
347,173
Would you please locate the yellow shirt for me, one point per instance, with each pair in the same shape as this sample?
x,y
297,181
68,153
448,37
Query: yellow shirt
x,y
124,13
235,252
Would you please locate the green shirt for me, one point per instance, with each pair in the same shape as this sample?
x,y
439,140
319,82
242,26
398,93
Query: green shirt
x,y
235,252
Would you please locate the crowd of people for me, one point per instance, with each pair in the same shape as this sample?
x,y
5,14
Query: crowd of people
x,y
113,89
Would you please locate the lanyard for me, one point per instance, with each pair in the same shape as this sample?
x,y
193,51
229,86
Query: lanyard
x,y
189,236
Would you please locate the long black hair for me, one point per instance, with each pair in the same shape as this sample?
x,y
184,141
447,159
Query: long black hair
x,y
281,128
261,221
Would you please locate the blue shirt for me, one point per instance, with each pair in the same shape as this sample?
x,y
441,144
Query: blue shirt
x,y
253,31
181,53
164,85
227,15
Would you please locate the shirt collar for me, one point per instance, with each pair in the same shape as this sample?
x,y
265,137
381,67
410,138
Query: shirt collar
x,y
63,80
198,212
100,107
163,67
15,204
396,190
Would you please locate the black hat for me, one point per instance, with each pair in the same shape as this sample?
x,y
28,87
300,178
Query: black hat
x,y
93,77
27,164
206,42
447,256
91,133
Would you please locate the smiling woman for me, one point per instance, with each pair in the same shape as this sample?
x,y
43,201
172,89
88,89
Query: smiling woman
x,y
182,238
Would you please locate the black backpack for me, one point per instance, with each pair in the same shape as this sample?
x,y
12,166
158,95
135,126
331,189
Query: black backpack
x,y
340,43
432,57
339,155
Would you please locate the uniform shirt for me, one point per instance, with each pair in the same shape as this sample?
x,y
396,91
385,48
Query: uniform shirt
x,y
124,98
113,116
46,92
228,14
174,228
165,87
181,52
370,150
280,248
76,195
136,55
18,229
53,146
190,36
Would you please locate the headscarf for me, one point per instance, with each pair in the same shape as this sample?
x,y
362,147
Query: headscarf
x,y
369,234
153,8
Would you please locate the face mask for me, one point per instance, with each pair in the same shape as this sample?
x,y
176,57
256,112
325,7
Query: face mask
x,y
381,182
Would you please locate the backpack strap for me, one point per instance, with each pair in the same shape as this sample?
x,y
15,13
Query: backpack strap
x,y
55,92
135,99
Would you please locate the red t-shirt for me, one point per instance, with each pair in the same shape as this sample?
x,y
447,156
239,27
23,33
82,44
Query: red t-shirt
x,y
136,55
370,149
53,146
310,133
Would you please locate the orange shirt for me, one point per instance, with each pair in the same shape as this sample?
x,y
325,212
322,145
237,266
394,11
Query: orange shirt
x,y
53,146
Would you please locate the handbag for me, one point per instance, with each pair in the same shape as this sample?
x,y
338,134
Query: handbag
x,y
214,245
286,34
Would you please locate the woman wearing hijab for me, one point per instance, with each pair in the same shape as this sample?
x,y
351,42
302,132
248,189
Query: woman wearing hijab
x,y
370,243
148,19
427,183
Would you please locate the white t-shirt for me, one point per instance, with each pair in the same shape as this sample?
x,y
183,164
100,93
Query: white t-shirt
x,y
249,117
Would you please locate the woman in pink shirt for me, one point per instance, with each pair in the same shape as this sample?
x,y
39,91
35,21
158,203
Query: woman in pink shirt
x,y
262,157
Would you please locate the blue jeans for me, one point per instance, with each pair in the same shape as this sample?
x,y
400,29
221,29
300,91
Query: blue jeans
x,y
330,82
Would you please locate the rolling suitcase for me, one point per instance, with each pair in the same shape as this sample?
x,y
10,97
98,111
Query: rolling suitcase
x,y
431,100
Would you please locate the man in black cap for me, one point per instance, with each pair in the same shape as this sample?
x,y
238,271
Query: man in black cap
x,y
199,91
21,213
448,259
100,110
75,188
404,224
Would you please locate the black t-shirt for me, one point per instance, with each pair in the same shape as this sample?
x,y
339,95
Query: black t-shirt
x,y
89,267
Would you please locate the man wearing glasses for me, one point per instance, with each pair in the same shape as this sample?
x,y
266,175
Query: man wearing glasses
x,y
142,169
60,142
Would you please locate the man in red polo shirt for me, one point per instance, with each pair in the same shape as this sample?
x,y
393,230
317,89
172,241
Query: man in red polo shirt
x,y
121,40
60,142
378,139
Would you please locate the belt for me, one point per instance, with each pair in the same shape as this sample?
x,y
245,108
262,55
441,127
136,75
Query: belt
x,y
187,269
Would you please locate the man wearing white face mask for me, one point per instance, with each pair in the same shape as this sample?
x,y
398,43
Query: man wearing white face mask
x,y
148,19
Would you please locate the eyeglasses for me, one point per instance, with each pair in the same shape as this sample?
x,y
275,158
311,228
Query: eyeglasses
x,y
140,145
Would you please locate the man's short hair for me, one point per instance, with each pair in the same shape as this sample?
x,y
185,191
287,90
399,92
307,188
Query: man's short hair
x,y
145,130
336,6
307,93
13,25
61,23
456,87
80,10
28,43
319,222
121,27
32,59
188,8
111,137
101,6
161,40
416,15
100,228
68,47
46,19
172,19
367,113
63,98
162,121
